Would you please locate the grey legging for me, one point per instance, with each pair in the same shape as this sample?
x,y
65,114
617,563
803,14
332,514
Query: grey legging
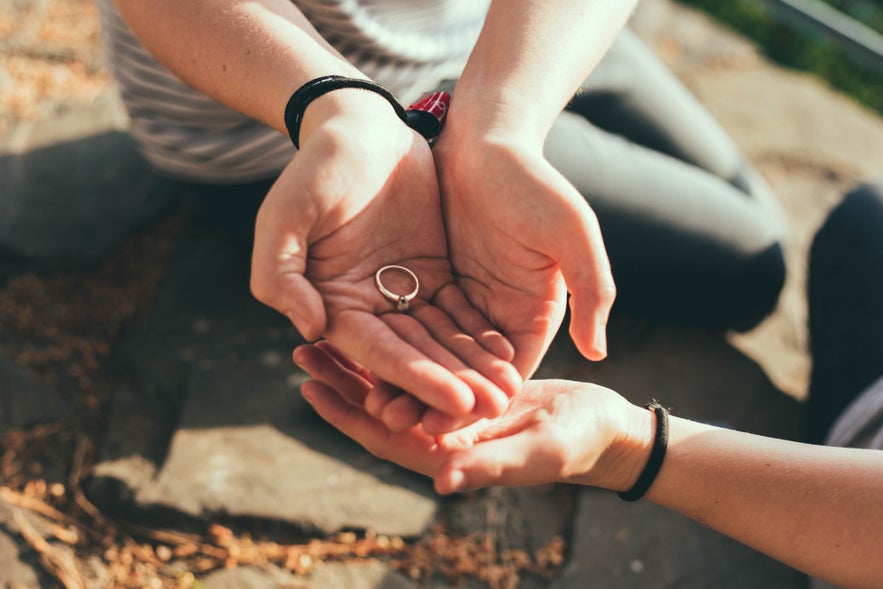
x,y
693,233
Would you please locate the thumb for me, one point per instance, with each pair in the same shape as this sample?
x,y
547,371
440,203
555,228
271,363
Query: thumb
x,y
295,297
303,306
582,258
277,280
514,461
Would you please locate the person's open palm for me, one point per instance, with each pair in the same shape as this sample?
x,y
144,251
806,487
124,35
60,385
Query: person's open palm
x,y
348,204
552,431
521,237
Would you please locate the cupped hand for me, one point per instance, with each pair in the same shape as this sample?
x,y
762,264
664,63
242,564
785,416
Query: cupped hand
x,y
552,431
361,194
520,238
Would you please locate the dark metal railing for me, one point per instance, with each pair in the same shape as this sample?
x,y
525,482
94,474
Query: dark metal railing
x,y
860,41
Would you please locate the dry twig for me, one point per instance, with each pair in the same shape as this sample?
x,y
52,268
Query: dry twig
x,y
55,562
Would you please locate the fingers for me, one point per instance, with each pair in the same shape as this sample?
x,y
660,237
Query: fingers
x,y
345,416
452,301
411,449
371,342
422,352
403,412
586,269
323,365
491,379
277,275
515,461
466,348
397,409
344,361
490,400
292,295
381,395
436,423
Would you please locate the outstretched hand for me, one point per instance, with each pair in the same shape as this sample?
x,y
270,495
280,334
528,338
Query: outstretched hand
x,y
348,204
521,237
553,431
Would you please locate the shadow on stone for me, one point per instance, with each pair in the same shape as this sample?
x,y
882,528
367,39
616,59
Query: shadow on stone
x,y
64,206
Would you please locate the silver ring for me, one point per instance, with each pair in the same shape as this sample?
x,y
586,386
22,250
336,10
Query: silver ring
x,y
402,301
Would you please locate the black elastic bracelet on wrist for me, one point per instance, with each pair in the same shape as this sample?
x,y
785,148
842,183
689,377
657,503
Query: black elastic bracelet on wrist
x,y
657,455
303,96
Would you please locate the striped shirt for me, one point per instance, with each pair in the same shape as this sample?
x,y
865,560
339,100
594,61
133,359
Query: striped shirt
x,y
409,46
861,423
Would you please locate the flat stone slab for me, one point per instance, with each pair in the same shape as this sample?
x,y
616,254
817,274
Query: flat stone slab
x,y
267,577
344,575
368,575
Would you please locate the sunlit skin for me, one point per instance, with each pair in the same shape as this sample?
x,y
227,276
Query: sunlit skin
x,y
339,191
520,236
815,508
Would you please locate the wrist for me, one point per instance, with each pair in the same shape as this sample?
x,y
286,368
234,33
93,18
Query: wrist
x,y
474,117
622,462
353,112
462,157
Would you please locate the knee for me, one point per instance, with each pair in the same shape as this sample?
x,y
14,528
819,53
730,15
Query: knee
x,y
754,288
741,291
715,290
847,251
853,228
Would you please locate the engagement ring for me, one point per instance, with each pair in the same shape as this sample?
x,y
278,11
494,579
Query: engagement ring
x,y
402,301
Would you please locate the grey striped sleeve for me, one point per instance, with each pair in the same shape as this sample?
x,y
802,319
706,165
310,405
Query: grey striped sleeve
x,y
861,424
407,45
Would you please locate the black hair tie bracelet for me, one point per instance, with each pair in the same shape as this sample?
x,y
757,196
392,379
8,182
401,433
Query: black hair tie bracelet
x,y
426,116
657,455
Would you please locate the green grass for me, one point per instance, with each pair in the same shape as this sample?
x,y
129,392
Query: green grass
x,y
801,50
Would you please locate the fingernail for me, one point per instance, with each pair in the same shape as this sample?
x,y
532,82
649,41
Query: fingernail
x,y
457,481
294,356
601,339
